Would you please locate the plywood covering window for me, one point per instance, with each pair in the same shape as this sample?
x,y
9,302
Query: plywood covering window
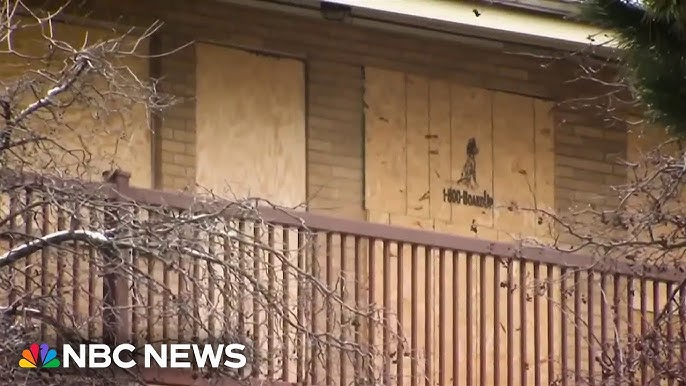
x,y
250,125
427,136
97,132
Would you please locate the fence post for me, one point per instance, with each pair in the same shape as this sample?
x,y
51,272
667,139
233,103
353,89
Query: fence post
x,y
116,307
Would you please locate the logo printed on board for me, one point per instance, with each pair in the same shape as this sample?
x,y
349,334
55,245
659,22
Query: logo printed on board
x,y
467,180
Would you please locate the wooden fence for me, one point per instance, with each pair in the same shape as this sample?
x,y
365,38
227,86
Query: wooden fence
x,y
470,312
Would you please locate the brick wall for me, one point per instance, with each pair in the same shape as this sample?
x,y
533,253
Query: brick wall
x,y
176,141
586,155
335,55
335,137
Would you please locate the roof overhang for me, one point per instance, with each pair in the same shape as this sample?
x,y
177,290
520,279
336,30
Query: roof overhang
x,y
485,22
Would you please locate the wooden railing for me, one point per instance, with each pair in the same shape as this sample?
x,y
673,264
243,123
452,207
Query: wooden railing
x,y
471,312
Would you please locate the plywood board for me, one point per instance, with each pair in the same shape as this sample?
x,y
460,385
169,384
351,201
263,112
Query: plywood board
x,y
544,144
418,193
439,148
100,132
484,233
471,124
513,168
513,162
250,113
411,222
385,127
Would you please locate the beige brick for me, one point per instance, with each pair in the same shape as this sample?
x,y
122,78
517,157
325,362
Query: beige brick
x,y
187,136
167,157
175,170
165,133
335,160
319,145
564,138
615,135
580,152
184,160
320,170
584,164
583,186
348,173
589,132
619,170
171,124
173,146
615,180
345,195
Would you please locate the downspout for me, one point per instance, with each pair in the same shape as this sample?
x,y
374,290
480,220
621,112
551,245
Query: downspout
x,y
155,73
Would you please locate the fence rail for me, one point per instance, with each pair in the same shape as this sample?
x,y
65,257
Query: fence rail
x,y
470,312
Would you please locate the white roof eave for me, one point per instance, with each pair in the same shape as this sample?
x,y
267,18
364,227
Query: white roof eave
x,y
492,21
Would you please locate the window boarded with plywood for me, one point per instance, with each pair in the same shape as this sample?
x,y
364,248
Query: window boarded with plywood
x,y
443,156
100,129
250,113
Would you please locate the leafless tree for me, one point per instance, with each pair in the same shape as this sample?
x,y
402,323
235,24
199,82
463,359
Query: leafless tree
x,y
83,261
639,224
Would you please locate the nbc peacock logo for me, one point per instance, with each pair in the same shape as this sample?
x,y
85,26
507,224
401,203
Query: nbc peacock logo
x,y
39,357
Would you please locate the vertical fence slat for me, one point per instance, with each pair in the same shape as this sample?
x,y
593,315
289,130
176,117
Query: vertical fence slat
x,y
344,333
483,360
644,327
603,324
656,313
372,298
256,306
428,314
523,348
537,324
28,230
564,344
301,298
400,356
631,352
285,327
682,324
167,272
150,327
670,334
442,324
510,323
12,274
327,309
271,290
551,322
470,318
313,360
358,301
414,331
45,259
497,326
590,289
616,325
577,326
456,315
386,284
108,318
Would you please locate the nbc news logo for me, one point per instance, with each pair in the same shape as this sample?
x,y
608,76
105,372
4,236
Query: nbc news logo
x,y
39,357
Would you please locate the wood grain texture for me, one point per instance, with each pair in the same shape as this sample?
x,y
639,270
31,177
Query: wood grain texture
x,y
386,165
250,125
